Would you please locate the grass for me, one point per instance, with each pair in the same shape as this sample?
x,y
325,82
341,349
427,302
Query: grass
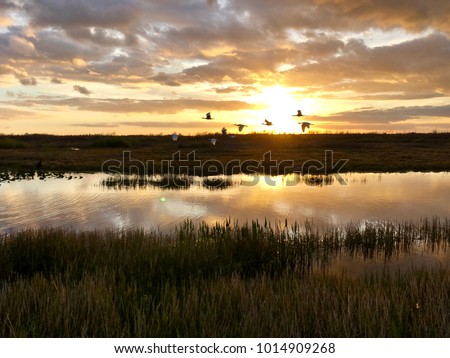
x,y
223,280
366,152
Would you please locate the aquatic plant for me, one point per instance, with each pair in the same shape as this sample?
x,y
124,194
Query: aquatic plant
x,y
222,280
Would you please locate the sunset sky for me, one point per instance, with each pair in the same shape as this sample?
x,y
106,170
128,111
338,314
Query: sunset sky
x,y
157,66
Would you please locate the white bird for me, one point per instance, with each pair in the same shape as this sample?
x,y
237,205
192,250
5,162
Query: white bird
x,y
305,125
241,126
213,141
267,123
174,137
299,114
208,116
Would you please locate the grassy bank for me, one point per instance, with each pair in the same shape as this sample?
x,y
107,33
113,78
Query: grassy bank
x,y
226,280
365,152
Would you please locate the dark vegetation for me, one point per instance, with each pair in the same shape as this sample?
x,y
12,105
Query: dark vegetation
x,y
365,152
224,280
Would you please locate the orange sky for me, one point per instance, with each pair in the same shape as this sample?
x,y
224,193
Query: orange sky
x,y
140,67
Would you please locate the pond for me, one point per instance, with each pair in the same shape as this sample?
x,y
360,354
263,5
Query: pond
x,y
97,201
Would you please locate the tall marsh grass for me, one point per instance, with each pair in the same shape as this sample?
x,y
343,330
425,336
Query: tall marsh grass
x,y
223,280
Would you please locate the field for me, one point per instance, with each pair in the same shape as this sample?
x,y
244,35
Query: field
x,y
228,279
225,280
365,152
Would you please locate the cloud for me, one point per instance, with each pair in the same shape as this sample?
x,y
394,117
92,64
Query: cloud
x,y
414,15
95,125
31,81
10,114
234,89
126,105
166,124
413,68
82,90
83,13
162,106
391,115
372,51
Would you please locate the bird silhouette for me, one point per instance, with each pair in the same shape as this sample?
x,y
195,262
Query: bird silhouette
x,y
241,126
224,131
267,123
305,125
208,116
299,113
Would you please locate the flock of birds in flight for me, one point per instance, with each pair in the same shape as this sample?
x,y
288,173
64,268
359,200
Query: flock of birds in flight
x,y
208,117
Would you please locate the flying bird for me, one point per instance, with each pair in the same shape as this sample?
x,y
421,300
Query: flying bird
x,y
213,141
241,126
299,114
305,125
267,123
208,116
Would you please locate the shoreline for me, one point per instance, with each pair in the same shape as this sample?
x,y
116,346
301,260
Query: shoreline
x,y
250,153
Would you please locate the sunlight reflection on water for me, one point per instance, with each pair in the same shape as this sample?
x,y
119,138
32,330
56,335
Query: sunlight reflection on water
x,y
93,202
97,201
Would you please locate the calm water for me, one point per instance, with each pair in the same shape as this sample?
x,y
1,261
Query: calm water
x,y
93,202
97,201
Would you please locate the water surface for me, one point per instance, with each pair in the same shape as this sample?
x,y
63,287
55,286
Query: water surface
x,y
93,202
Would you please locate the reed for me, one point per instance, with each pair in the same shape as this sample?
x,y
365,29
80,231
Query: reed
x,y
222,280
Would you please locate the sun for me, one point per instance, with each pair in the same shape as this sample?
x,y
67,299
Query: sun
x,y
280,106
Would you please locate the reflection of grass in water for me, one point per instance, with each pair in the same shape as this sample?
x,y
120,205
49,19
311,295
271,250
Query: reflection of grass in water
x,y
133,182
219,280
11,176
217,183
186,181
173,182
318,180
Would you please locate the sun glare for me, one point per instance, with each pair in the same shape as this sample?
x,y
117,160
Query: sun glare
x,y
281,104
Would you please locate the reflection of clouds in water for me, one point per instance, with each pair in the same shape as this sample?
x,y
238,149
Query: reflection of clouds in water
x,y
85,204
282,208
176,207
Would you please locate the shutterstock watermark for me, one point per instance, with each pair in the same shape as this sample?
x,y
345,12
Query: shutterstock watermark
x,y
189,164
